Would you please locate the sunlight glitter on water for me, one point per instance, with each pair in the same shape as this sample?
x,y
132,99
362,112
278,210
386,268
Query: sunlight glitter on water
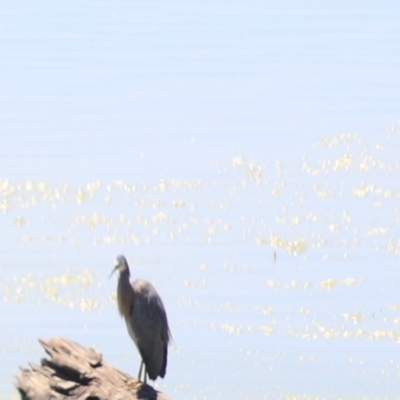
x,y
261,255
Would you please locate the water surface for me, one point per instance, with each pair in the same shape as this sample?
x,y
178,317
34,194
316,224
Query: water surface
x,y
244,157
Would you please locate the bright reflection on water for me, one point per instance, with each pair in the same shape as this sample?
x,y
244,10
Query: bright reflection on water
x,y
279,277
207,142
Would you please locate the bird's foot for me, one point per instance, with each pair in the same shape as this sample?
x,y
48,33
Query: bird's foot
x,y
135,384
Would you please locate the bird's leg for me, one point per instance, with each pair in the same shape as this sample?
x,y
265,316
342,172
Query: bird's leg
x,y
140,371
136,384
145,375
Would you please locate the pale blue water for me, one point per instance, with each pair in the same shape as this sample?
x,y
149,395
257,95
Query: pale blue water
x,y
200,123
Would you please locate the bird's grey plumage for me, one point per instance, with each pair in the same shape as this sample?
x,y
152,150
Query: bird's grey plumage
x,y
146,320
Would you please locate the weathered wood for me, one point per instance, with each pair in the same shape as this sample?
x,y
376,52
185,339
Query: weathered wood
x,y
74,372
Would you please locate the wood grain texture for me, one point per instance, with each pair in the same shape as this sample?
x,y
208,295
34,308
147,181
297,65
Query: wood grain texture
x,y
76,372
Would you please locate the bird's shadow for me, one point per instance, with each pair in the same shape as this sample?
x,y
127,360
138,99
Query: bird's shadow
x,y
147,392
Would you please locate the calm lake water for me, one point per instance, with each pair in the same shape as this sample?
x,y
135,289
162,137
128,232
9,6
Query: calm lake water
x,y
245,159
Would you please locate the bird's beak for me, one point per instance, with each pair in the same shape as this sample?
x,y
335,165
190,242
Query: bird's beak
x,y
114,269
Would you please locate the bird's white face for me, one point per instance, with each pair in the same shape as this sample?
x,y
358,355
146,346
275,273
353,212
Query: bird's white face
x,y
120,264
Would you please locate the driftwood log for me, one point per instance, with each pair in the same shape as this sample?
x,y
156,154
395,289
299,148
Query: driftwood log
x,y
74,372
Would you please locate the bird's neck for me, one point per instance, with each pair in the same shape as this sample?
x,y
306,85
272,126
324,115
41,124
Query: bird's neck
x,y
125,295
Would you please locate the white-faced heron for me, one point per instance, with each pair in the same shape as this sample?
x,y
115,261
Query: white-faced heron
x,y
146,320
